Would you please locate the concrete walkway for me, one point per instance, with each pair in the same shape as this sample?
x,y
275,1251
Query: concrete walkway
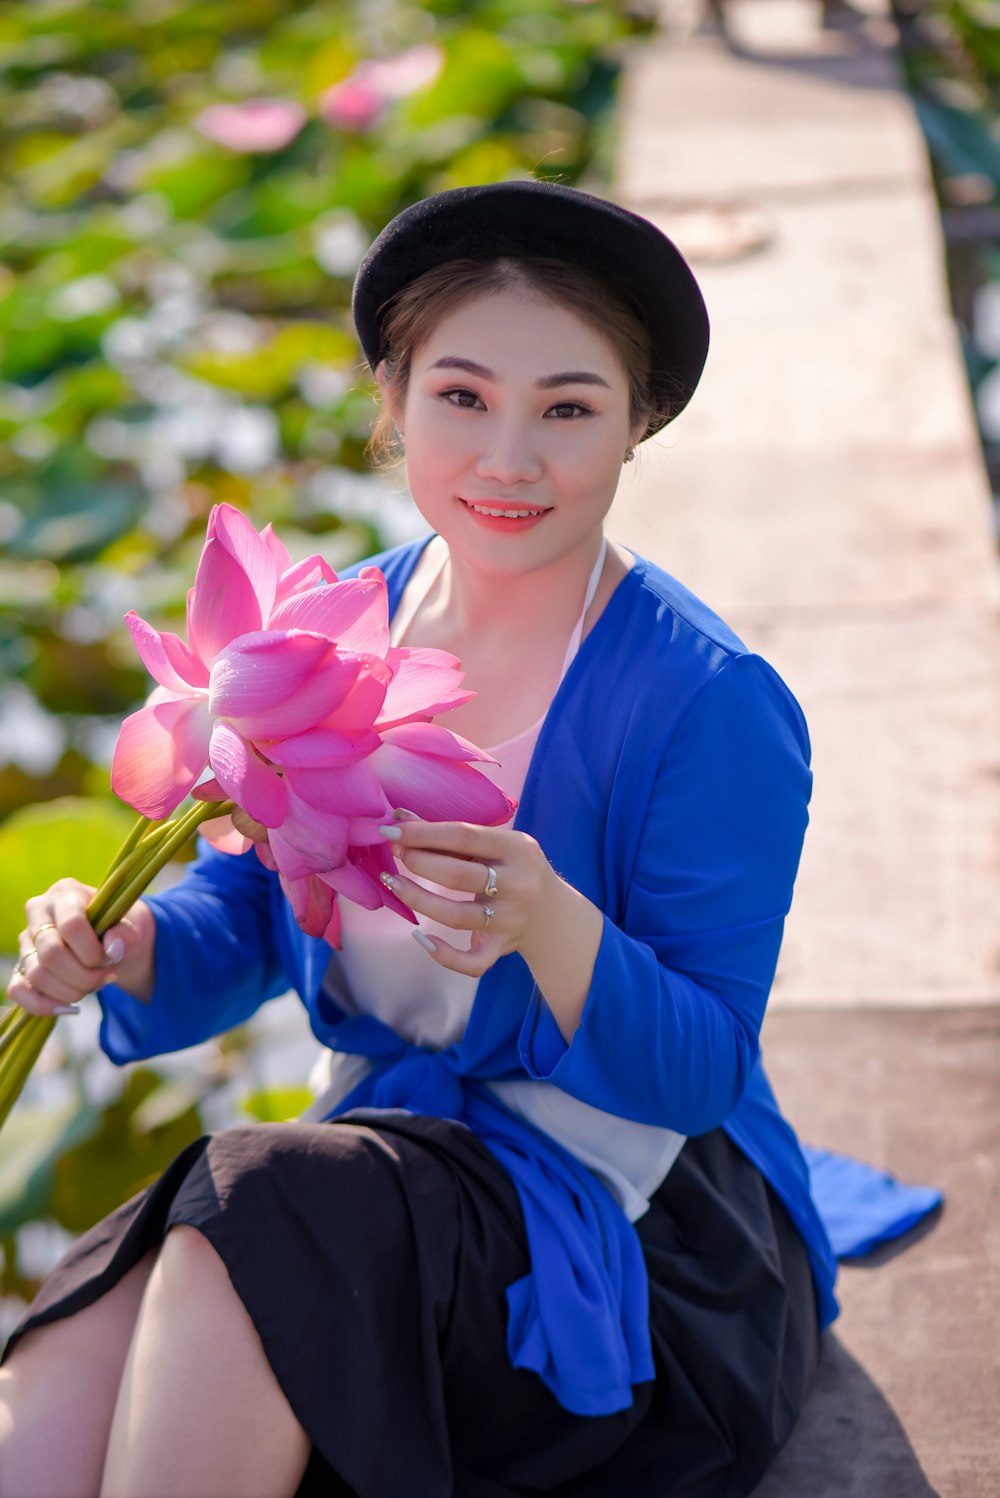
x,y
826,494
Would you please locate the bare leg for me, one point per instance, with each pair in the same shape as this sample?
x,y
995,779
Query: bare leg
x,y
57,1395
199,1410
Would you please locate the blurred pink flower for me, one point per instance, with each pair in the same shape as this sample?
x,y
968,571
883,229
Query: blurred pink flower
x,y
354,105
405,72
253,124
359,101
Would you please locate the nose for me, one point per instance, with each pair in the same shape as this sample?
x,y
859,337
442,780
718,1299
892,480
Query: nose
x,y
509,456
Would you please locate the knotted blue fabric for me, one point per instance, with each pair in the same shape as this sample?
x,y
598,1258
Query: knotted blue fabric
x,y
580,1318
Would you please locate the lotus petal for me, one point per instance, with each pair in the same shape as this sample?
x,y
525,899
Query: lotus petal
x,y
354,884
320,746
223,603
312,904
424,683
279,551
355,613
271,685
245,777
431,738
301,577
348,790
363,703
166,657
221,833
161,751
366,865
209,790
308,841
437,789
363,832
247,547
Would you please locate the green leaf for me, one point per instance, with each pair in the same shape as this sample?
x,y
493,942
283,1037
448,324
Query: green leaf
x,y
40,844
119,1158
30,1144
277,1104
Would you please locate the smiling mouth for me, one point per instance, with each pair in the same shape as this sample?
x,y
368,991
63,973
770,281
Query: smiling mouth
x,y
504,512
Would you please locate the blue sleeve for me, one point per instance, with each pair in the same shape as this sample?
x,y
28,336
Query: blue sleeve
x,y
217,959
669,1033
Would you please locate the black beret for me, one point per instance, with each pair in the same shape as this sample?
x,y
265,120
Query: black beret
x,y
528,217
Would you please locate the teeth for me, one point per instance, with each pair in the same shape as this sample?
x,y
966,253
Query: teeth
x,y
503,514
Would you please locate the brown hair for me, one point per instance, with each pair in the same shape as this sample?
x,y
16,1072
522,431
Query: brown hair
x,y
412,313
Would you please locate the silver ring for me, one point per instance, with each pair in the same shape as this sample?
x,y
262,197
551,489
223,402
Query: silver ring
x,y
491,882
19,965
489,913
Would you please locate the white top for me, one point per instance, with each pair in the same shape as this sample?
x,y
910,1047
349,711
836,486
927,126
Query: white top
x,y
390,977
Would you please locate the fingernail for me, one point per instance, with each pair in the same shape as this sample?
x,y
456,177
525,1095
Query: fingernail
x,y
402,815
66,1009
115,950
423,941
391,882
391,834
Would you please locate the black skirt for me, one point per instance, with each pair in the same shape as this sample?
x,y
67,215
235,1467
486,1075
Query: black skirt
x,y
373,1254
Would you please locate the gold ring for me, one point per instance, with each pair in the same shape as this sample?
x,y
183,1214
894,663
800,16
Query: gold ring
x,y
489,913
45,926
491,882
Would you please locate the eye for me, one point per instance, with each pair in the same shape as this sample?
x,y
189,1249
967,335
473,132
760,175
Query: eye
x,y
466,398
569,410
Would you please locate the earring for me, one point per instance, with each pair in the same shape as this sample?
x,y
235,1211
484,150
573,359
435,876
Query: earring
x,y
630,455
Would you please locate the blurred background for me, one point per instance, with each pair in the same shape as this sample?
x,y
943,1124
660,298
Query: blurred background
x,y
185,194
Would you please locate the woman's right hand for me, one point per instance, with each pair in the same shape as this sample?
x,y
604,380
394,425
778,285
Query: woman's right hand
x,y
62,958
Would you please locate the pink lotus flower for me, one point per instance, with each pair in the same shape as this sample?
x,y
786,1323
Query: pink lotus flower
x,y
359,101
253,124
309,720
354,105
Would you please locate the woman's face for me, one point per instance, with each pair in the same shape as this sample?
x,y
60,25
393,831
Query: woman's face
x,y
516,405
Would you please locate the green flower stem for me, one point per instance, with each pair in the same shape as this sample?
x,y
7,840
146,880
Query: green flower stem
x,y
17,1062
139,827
117,901
14,1025
144,838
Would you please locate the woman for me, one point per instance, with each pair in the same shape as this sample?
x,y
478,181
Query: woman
x,y
563,1242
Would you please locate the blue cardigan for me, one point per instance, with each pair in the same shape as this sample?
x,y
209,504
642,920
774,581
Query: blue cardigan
x,y
669,784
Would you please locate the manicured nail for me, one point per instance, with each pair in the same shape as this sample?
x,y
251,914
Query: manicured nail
x,y
402,815
115,950
423,941
391,882
66,1009
391,834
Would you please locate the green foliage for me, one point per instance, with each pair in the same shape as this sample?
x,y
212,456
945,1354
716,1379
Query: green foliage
x,y
276,1104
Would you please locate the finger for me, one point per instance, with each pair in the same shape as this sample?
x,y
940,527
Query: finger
x,y
65,908
21,990
55,973
244,823
464,839
459,915
472,963
452,873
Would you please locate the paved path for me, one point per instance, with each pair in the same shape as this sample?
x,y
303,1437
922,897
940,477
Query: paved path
x,y
825,491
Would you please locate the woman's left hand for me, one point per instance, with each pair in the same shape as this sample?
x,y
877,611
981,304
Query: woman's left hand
x,y
465,857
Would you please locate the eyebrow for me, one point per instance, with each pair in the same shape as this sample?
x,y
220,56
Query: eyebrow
x,y
547,382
